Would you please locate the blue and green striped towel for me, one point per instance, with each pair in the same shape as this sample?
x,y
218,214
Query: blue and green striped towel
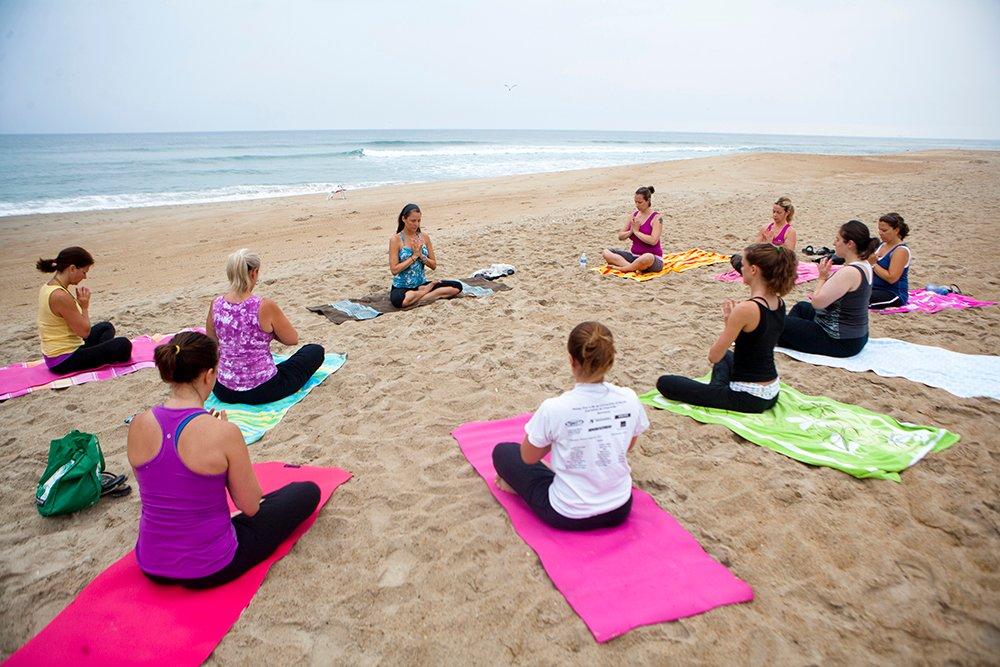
x,y
256,420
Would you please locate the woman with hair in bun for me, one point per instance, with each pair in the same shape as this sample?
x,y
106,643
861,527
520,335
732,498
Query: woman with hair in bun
x,y
835,324
891,264
745,379
644,227
244,324
779,231
185,460
70,343
589,430
410,250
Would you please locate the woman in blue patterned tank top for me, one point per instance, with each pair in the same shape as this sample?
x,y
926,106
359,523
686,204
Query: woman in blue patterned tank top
x,y
410,251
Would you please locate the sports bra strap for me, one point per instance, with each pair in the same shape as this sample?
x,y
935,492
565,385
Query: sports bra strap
x,y
185,422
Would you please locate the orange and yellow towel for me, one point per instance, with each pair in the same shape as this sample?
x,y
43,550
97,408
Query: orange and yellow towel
x,y
674,262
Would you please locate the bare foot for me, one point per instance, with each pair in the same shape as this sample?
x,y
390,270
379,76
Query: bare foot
x,y
503,486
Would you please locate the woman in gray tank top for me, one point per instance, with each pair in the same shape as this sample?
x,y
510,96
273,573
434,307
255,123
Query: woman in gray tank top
x,y
835,324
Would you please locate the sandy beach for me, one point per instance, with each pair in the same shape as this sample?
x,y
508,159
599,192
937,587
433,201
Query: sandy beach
x,y
413,561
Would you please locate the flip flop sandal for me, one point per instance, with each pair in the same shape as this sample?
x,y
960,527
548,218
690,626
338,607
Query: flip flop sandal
x,y
119,492
955,289
808,250
110,481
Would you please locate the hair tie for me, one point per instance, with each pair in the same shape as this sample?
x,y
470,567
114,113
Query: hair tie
x,y
177,349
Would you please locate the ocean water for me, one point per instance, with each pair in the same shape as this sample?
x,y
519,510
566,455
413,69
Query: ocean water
x,y
81,172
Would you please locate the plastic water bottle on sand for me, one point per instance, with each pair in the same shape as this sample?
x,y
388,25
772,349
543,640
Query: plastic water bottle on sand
x,y
583,261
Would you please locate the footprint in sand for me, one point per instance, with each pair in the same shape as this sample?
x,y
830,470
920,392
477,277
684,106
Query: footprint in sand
x,y
397,569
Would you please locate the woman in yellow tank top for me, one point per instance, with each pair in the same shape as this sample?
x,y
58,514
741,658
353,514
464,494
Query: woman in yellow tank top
x,y
69,342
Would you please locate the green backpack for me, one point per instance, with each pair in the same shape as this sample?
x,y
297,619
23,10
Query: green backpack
x,y
72,479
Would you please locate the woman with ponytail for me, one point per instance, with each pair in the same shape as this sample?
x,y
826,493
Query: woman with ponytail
x,y
70,343
244,324
745,379
644,227
589,431
891,264
185,460
835,324
410,250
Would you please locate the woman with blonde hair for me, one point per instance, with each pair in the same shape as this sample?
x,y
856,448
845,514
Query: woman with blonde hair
x,y
779,231
244,325
589,430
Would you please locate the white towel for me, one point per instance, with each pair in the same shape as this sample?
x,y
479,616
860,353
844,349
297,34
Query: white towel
x,y
965,375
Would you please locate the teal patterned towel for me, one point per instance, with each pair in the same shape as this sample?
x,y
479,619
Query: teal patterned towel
x,y
256,420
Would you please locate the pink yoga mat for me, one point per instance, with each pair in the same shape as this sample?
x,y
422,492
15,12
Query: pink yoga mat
x,y
24,378
648,570
122,618
806,271
931,302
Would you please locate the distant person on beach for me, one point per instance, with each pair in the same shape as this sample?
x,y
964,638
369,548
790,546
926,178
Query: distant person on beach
x,y
745,379
185,459
779,231
410,250
835,324
244,325
70,343
891,264
589,430
644,227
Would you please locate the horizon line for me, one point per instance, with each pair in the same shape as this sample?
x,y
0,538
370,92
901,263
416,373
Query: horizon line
x,y
469,129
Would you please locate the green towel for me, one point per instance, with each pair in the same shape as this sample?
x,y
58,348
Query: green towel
x,y
820,431
256,420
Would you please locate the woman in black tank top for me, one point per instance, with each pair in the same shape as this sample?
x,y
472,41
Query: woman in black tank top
x,y
744,379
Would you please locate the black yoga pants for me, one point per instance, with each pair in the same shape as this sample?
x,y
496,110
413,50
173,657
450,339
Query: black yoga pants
x,y
397,294
292,374
257,536
883,298
802,333
715,394
99,348
532,483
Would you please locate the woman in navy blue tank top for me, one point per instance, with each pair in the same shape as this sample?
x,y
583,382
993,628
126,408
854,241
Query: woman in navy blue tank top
x,y
745,379
891,264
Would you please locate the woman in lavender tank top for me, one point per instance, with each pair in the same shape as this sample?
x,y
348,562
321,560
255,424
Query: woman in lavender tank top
x,y
185,459
644,228
244,325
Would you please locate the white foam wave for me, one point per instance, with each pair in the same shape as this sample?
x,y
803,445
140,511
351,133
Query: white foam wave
x,y
496,149
144,200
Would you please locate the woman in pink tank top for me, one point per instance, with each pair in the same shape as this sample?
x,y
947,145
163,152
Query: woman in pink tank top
x,y
244,324
644,228
779,231
185,460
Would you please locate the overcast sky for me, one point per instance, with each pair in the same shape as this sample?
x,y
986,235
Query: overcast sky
x,y
917,68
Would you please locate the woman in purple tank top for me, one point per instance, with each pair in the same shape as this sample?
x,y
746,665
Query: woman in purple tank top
x,y
185,460
644,228
779,231
244,325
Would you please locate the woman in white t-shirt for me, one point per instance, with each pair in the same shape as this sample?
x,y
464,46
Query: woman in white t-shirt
x,y
589,431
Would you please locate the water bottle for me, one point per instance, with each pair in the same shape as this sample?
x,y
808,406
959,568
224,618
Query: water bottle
x,y
938,289
583,261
